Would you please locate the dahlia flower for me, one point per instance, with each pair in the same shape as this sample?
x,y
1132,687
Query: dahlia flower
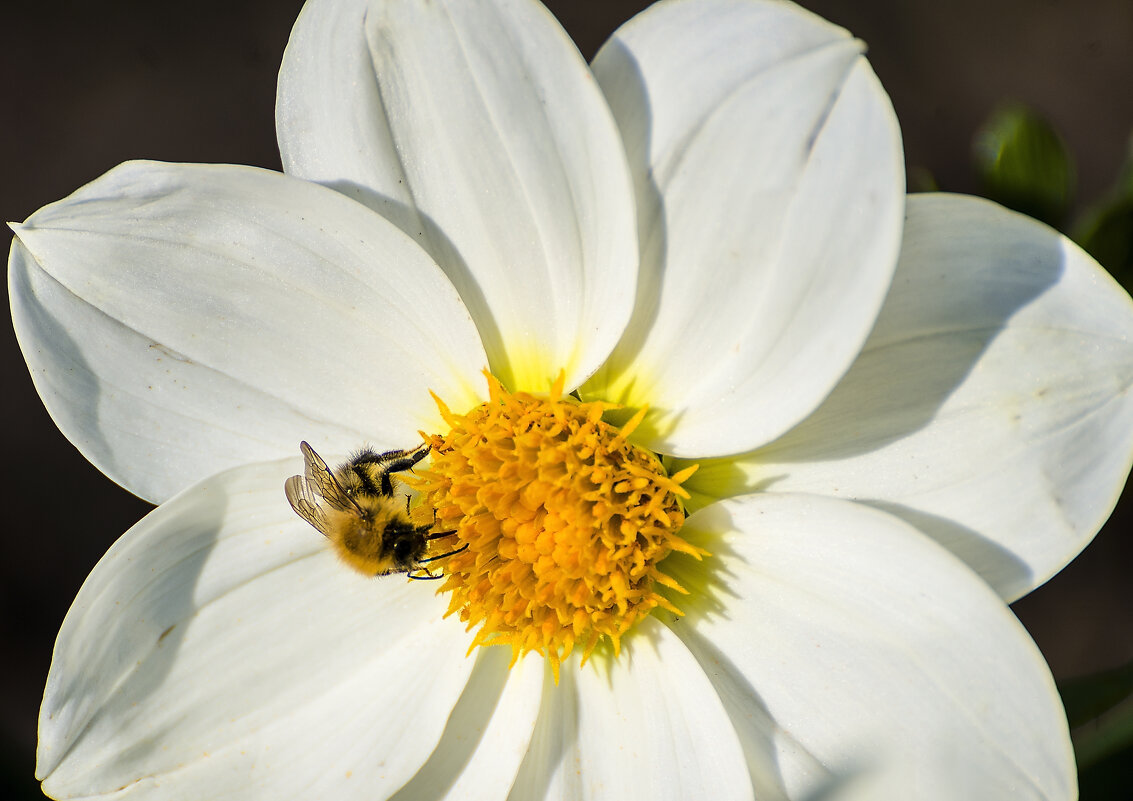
x,y
741,450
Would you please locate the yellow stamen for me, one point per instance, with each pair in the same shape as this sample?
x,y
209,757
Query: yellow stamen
x,y
565,522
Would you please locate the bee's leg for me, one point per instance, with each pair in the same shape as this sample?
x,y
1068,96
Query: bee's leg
x,y
393,462
396,461
423,572
425,575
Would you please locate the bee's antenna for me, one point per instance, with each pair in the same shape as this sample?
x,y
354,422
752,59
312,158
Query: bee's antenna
x,y
440,534
461,549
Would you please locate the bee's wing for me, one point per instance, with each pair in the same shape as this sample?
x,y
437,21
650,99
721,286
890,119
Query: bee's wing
x,y
317,488
306,503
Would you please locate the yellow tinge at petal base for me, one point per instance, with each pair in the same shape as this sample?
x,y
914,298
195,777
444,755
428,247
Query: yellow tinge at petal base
x,y
565,522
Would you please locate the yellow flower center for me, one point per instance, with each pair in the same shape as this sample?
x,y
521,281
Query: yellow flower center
x,y
566,523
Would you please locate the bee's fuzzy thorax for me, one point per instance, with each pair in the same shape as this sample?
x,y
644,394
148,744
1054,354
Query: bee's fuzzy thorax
x,y
364,540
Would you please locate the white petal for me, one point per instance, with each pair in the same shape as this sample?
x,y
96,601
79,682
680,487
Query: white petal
x,y
891,781
770,189
181,319
487,735
219,650
649,726
990,408
848,644
476,126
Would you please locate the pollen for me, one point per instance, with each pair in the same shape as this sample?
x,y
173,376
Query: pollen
x,y
566,523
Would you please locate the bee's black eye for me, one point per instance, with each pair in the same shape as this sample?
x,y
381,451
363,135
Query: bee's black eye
x,y
402,549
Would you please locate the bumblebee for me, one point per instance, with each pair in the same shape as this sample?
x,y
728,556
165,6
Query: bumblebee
x,y
358,508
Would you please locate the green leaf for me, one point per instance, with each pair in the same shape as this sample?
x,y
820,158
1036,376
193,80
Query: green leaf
x,y
1106,233
1106,230
1100,711
1024,164
1107,780
1089,696
921,179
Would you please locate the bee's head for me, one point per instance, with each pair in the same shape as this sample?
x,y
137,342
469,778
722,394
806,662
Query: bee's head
x,y
405,544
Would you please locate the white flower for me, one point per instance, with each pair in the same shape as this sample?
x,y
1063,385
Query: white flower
x,y
730,247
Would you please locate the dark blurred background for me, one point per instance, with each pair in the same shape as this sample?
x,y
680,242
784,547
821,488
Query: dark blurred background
x,y
90,85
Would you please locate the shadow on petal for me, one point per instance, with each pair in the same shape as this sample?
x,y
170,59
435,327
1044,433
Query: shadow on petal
x,y
933,299
42,309
635,120
123,635
988,558
425,232
556,735
764,742
465,728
